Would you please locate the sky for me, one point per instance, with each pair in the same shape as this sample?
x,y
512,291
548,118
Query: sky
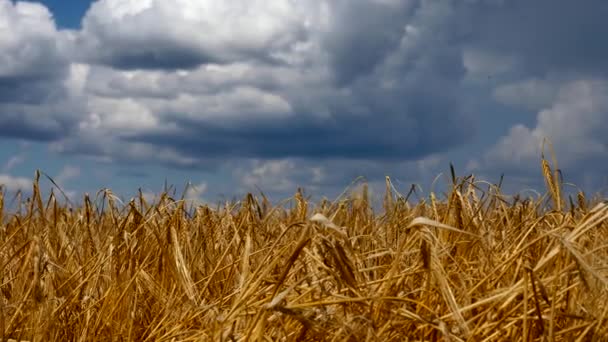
x,y
239,96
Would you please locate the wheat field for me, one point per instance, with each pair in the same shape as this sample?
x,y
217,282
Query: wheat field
x,y
469,265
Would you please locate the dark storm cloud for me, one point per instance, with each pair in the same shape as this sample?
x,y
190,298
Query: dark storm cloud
x,y
397,99
544,36
406,132
362,34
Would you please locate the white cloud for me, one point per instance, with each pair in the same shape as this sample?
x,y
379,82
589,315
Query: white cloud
x,y
27,40
229,107
519,148
575,123
12,183
124,33
273,175
195,193
329,177
123,115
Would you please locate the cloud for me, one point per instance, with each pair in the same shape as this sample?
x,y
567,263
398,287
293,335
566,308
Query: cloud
x,y
278,176
532,94
281,177
483,64
357,50
575,123
300,100
33,69
13,184
195,192
275,85
185,34
547,58
301,89
542,36
29,49
107,149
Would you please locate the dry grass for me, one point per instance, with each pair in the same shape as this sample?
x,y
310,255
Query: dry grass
x,y
473,267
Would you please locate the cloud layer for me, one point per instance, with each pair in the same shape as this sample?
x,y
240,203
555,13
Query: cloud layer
x,y
289,86
283,80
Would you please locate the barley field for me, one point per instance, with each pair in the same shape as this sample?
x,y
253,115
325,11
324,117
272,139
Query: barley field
x,y
469,265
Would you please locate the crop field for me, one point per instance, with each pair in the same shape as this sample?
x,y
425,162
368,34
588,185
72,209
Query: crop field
x,y
467,265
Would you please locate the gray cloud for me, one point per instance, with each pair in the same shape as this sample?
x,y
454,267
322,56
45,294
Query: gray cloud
x,y
378,82
33,72
395,102
544,36
362,34
532,94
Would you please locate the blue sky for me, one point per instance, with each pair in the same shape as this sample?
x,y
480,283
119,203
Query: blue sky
x,y
237,95
67,14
